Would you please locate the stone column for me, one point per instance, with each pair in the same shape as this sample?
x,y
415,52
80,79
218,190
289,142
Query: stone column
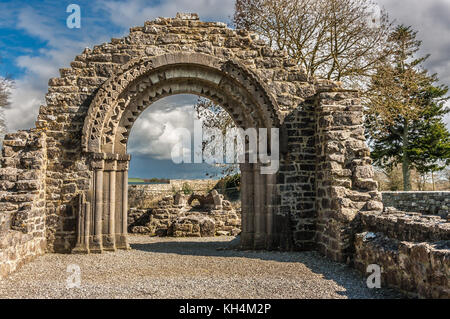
x,y
125,207
247,206
259,217
122,224
248,212
96,198
270,190
109,240
96,246
84,225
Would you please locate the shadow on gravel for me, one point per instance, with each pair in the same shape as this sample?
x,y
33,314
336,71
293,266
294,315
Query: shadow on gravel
x,y
347,277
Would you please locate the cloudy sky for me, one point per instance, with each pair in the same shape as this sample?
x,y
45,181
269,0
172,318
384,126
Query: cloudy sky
x,y
35,43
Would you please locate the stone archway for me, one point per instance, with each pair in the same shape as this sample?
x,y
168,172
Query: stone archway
x,y
119,103
63,183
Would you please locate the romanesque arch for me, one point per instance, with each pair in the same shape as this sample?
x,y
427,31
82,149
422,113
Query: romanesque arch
x,y
64,182
121,100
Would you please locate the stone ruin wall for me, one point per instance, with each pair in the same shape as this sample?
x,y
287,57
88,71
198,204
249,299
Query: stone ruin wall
x,y
174,216
428,203
412,249
410,240
311,110
22,199
140,195
324,195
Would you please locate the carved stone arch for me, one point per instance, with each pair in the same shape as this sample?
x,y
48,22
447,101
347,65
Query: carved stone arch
x,y
110,101
121,100
134,108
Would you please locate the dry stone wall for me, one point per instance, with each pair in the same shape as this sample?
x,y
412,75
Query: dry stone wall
x,y
140,195
22,199
413,251
417,269
429,203
174,216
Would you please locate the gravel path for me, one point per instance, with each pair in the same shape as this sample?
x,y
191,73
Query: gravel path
x,y
189,268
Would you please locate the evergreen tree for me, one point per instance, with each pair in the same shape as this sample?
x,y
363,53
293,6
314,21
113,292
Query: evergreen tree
x,y
405,111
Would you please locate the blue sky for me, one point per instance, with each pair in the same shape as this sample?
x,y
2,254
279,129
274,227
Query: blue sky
x,y
35,43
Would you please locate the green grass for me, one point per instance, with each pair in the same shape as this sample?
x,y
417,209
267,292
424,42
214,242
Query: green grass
x,y
136,180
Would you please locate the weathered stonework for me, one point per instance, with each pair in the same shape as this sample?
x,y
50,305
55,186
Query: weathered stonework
x,y
418,269
142,195
429,203
344,175
413,251
64,183
16,249
174,216
405,226
22,199
91,109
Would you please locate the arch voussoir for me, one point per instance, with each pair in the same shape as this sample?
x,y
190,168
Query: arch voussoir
x,y
146,72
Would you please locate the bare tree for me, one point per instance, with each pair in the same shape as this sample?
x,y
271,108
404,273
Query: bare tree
x,y
334,39
214,116
339,40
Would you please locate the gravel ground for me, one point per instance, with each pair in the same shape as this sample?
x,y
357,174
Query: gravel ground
x,y
189,268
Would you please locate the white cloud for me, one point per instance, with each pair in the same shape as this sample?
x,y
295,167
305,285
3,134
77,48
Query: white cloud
x,y
63,45
26,99
154,133
136,12
429,17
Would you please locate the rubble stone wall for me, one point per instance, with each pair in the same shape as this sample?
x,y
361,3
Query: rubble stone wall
x,y
17,248
22,199
177,218
417,269
138,195
429,203
344,174
413,251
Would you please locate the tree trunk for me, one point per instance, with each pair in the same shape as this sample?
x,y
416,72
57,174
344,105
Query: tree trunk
x,y
432,180
405,162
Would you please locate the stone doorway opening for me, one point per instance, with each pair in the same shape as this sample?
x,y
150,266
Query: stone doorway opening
x,y
172,199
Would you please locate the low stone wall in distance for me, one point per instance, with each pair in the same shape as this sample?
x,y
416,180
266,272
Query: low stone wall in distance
x,y
427,203
175,217
413,251
147,195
